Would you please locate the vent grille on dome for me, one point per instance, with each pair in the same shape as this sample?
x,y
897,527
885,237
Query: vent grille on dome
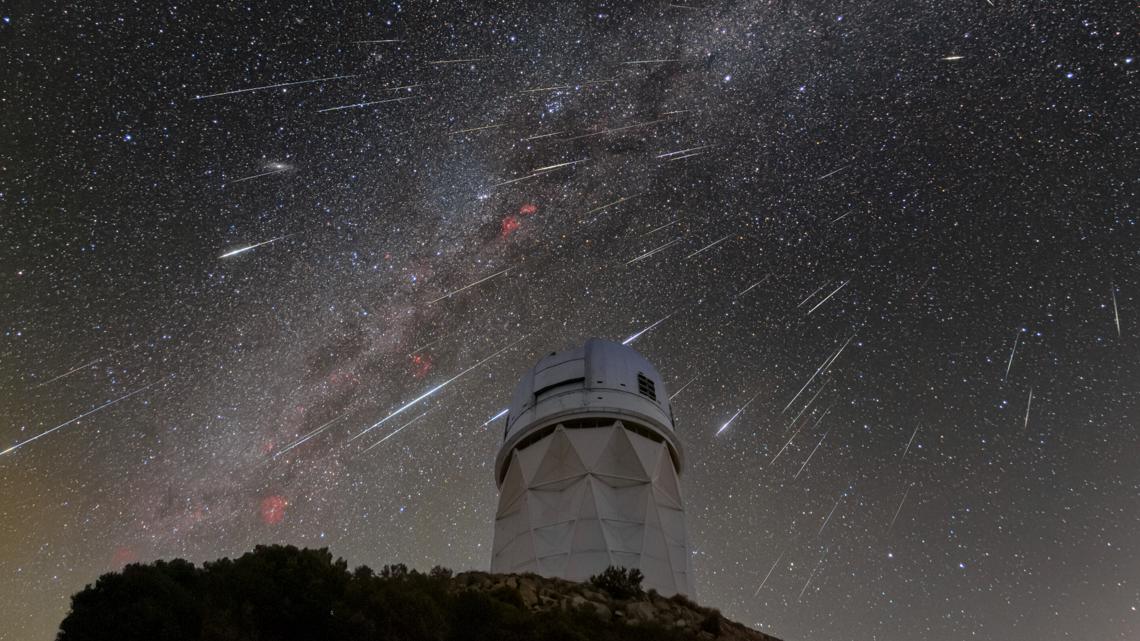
x,y
646,387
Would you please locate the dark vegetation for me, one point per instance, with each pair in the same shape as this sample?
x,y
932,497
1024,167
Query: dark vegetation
x,y
281,593
620,583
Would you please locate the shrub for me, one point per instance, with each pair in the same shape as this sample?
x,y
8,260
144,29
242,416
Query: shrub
x,y
619,582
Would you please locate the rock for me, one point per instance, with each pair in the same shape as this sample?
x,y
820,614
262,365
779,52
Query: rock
x,y
641,611
528,595
594,596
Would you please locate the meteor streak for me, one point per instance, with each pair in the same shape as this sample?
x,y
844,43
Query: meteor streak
x,y
481,280
817,566
455,61
403,408
280,84
695,153
683,151
616,129
69,372
738,413
754,285
85,414
668,224
574,86
810,402
829,296
638,335
397,431
797,432
811,295
1028,405
1011,353
310,435
495,417
825,521
811,455
620,200
899,509
653,251
684,386
708,247
826,363
464,131
770,570
951,58
1115,312
264,173
242,250
907,448
358,105
832,173
540,171
537,136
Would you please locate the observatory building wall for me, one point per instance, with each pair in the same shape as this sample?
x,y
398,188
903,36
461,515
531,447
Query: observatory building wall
x,y
589,472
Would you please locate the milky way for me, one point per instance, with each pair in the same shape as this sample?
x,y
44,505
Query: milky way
x,y
270,272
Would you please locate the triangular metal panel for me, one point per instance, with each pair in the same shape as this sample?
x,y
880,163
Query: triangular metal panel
x,y
509,527
672,523
655,546
587,509
648,451
531,457
665,479
620,459
519,552
590,443
624,536
588,537
561,461
658,574
513,485
548,507
626,560
553,565
622,503
620,481
677,554
583,565
552,540
664,499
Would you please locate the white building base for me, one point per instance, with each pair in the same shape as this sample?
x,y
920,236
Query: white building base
x,y
582,499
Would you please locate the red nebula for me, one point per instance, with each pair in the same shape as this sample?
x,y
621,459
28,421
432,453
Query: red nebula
x,y
420,365
510,224
123,556
273,509
528,209
268,445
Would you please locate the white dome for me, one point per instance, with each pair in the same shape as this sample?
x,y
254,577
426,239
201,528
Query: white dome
x,y
600,379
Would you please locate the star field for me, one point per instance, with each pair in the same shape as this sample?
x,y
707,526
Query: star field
x,y
270,271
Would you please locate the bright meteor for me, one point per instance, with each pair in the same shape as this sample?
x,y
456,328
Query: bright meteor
x,y
83,415
242,250
406,406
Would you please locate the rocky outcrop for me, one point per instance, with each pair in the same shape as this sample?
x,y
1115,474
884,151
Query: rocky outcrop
x,y
540,594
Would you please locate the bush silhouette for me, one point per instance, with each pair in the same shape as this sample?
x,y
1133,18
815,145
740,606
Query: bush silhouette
x,y
282,593
619,582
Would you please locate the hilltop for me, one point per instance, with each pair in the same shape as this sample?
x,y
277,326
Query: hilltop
x,y
282,593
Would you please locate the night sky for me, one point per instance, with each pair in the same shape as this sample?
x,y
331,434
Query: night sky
x,y
237,239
